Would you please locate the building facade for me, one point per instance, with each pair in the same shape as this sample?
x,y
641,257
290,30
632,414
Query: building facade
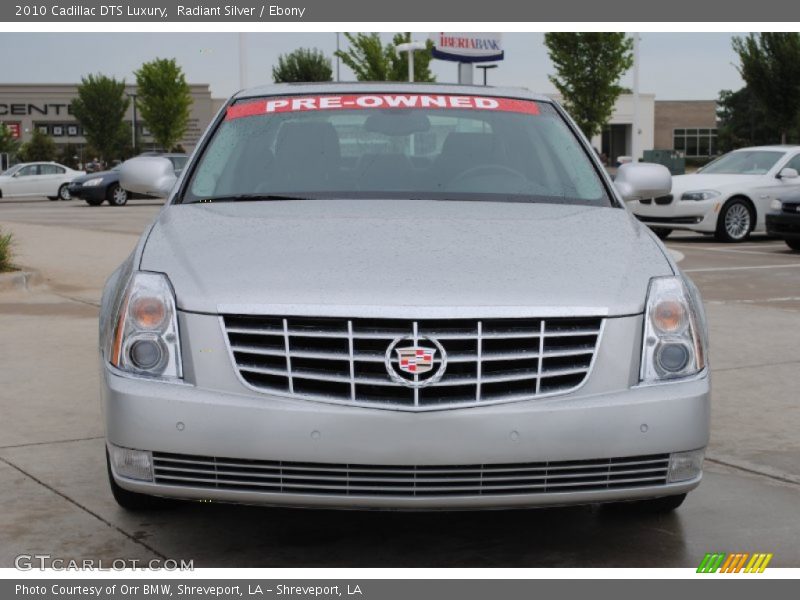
x,y
687,126
46,107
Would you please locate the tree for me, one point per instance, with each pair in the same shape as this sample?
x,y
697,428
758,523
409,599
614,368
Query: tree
x,y
41,147
8,143
164,100
304,64
100,109
370,60
69,156
770,66
743,121
588,68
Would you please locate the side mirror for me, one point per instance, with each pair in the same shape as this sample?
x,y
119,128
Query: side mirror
x,y
150,175
635,181
15,174
788,173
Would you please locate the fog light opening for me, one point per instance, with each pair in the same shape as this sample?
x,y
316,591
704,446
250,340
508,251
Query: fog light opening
x,y
685,465
132,464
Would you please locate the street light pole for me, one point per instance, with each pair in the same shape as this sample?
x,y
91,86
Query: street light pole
x,y
133,122
486,68
337,57
410,47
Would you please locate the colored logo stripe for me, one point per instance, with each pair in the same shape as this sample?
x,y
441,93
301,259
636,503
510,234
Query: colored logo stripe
x,y
734,563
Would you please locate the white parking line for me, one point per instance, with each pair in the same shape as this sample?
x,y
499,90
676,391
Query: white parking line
x,y
731,250
711,269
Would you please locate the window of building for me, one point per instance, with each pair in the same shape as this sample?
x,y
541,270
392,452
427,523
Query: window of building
x,y
695,142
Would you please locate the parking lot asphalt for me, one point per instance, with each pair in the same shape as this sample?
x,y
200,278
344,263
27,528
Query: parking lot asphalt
x,y
52,474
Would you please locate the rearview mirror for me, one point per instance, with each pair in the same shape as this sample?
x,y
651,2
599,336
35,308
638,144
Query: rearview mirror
x,y
635,181
788,173
149,175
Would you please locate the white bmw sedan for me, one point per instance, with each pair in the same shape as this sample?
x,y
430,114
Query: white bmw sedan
x,y
729,197
38,179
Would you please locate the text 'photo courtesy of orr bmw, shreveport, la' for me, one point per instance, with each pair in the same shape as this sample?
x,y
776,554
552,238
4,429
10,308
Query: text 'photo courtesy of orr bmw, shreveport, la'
x,y
401,296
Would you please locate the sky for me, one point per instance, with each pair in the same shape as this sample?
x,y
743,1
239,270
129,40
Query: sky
x,y
673,66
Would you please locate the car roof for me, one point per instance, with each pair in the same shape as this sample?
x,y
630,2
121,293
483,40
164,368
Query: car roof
x,y
774,148
377,87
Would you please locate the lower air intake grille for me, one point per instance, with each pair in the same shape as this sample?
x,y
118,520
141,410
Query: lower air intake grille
x,y
282,477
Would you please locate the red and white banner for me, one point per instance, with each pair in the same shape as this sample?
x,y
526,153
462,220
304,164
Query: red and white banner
x,y
379,101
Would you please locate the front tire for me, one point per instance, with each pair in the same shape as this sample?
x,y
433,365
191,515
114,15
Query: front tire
x,y
63,192
652,506
735,221
117,196
134,501
793,244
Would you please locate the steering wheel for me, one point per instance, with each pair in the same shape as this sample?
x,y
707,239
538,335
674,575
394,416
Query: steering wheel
x,y
483,170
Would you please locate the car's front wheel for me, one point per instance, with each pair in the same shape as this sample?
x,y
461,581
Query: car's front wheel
x,y
117,196
793,244
133,500
63,192
735,221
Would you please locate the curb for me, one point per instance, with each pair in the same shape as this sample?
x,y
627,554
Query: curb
x,y
20,280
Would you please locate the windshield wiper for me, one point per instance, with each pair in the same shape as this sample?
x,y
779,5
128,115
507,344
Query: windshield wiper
x,y
250,198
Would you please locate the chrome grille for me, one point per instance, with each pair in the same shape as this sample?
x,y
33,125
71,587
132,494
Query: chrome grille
x,y
393,480
343,360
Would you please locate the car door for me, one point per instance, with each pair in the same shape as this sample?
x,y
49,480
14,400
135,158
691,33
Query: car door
x,y
773,186
51,178
23,182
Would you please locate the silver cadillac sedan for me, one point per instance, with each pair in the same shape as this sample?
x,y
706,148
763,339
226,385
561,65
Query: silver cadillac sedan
x,y
399,296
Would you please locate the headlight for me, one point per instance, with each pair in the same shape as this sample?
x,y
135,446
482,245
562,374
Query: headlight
x,y
776,205
700,195
93,182
674,340
145,340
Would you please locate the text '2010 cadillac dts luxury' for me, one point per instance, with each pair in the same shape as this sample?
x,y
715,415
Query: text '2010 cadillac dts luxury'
x,y
400,296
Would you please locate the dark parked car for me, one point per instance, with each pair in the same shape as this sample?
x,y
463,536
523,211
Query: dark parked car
x,y
784,221
96,188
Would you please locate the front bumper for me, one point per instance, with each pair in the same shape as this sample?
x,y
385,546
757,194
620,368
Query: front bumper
x,y
783,225
97,192
184,420
680,214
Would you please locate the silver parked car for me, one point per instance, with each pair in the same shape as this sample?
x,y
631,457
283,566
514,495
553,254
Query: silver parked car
x,y
400,296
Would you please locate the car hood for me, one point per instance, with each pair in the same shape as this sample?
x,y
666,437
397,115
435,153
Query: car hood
x,y
701,181
405,258
107,175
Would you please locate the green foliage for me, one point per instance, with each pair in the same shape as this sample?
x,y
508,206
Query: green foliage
x,y
370,60
6,241
588,69
69,156
304,64
41,147
770,66
164,100
744,121
7,142
100,108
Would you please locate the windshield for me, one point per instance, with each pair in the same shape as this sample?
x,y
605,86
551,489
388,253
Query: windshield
x,y
743,162
12,170
396,146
